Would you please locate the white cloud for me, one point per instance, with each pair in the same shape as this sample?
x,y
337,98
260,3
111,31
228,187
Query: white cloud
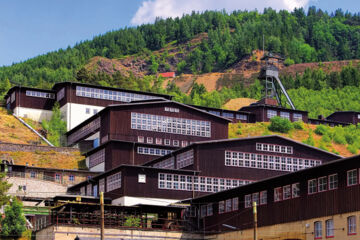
x,y
150,9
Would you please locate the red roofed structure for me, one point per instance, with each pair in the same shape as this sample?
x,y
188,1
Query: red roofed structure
x,y
168,74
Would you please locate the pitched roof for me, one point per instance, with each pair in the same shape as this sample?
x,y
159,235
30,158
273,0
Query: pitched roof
x,y
142,103
236,140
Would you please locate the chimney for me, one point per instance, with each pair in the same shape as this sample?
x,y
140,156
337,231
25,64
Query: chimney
x,y
268,101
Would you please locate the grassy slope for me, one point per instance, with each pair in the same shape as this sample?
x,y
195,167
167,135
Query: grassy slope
x,y
12,131
241,130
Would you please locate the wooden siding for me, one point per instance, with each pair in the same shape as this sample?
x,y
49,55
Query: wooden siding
x,y
21,100
327,203
260,112
345,117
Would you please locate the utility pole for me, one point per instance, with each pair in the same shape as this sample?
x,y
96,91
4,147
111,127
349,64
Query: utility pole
x,y
255,221
102,216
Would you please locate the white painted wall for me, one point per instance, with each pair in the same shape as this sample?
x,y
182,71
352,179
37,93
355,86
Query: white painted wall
x,y
37,115
131,201
98,168
74,113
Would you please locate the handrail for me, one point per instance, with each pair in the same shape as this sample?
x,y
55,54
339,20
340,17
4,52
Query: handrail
x,y
33,130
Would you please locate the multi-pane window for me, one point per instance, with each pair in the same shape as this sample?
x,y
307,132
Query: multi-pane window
x,y
351,225
170,109
167,163
60,94
287,192
352,177
158,141
312,186
333,181
33,174
228,115
57,176
113,182
271,113
329,225
184,143
89,128
235,204
88,190
149,140
40,94
203,211
297,117
176,143
166,124
295,190
264,161
209,209
110,94
241,117
285,115
322,184
278,194
102,185
97,158
228,205
266,147
221,207
196,183
255,198
87,110
318,230
185,159
82,191
263,197
247,200
153,151
167,141
71,178
141,139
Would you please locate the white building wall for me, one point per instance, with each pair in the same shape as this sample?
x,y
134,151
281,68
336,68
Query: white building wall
x,y
37,115
132,201
74,113
98,168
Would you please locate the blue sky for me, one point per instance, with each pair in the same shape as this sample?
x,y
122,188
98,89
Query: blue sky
x,y
30,28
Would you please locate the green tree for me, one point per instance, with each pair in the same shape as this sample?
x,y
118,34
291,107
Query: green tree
x,y
4,187
14,223
56,127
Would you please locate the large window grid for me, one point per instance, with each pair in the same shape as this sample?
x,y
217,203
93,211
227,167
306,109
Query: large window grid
x,y
40,94
265,161
266,147
60,95
271,113
157,123
153,151
241,117
167,163
102,185
185,159
97,158
287,192
110,94
113,182
197,183
91,127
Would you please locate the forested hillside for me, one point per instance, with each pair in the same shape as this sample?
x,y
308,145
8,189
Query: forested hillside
x,y
212,41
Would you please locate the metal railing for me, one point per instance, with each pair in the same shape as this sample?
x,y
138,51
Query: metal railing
x,y
111,220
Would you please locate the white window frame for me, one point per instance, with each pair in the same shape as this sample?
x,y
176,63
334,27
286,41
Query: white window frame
x,y
351,225
318,229
329,228
333,181
350,177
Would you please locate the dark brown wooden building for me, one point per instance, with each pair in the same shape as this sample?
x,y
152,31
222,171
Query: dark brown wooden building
x,y
30,102
306,199
350,117
114,153
234,116
250,159
164,123
263,112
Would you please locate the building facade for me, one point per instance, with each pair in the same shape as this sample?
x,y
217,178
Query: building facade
x,y
313,203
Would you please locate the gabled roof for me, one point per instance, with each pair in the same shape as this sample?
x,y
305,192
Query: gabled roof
x,y
26,88
339,112
141,103
257,105
291,175
58,85
114,170
210,142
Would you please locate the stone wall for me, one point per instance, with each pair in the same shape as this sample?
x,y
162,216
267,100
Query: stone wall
x,y
70,233
10,147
